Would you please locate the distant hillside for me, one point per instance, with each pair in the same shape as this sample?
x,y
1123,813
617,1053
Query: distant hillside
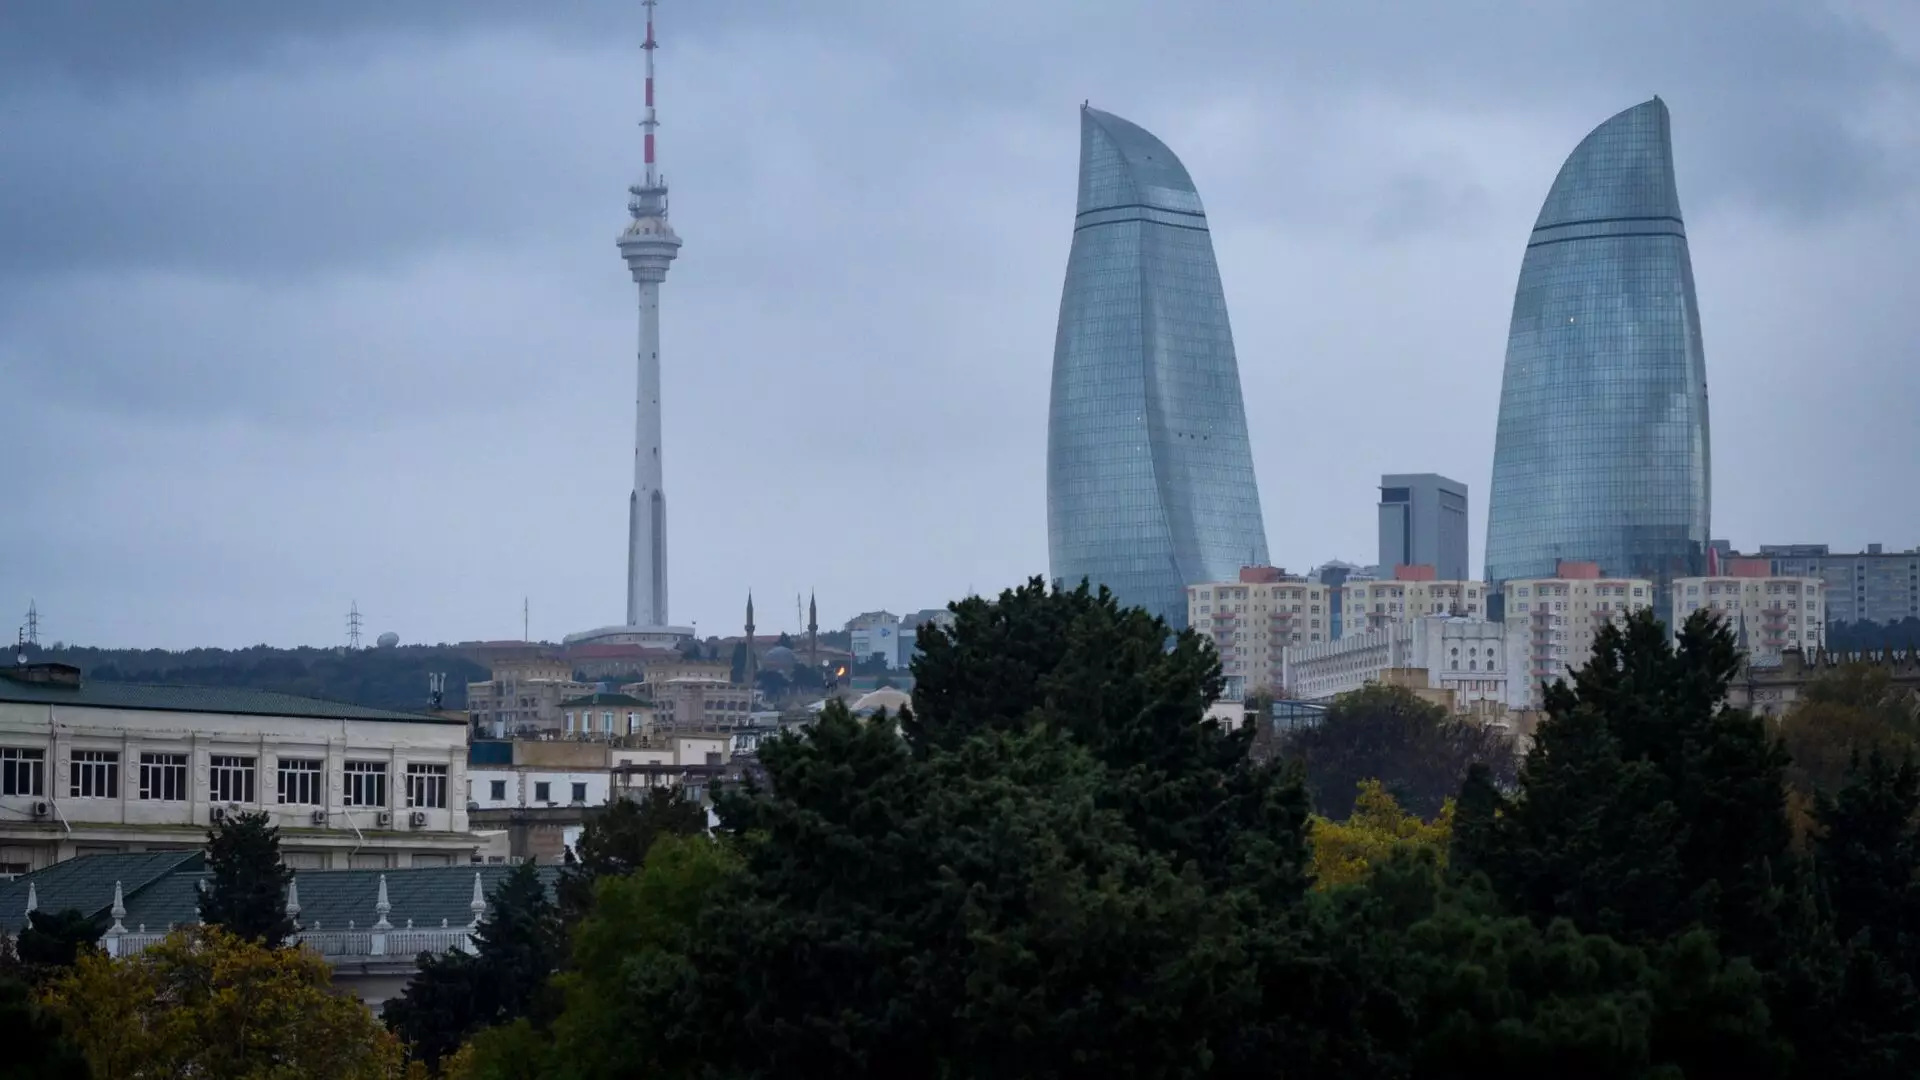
x,y
380,678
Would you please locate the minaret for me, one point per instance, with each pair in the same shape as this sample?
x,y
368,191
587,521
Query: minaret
x,y
813,633
649,246
753,658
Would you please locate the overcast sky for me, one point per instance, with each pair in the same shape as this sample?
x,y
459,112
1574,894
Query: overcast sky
x,y
308,303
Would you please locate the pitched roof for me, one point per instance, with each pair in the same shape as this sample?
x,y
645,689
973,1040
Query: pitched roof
x,y
85,884
201,699
161,889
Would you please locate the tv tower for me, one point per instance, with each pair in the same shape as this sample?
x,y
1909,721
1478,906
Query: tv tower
x,y
649,246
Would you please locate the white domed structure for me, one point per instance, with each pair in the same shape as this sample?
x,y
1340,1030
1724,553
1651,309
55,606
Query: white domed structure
x,y
886,697
387,640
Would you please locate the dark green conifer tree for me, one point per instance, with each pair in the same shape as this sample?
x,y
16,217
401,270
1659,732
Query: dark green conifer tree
x,y
245,889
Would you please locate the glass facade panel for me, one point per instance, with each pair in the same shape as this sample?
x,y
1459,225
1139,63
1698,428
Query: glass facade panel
x,y
1601,453
1150,482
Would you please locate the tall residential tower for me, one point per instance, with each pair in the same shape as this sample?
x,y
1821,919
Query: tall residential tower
x,y
1601,454
1149,472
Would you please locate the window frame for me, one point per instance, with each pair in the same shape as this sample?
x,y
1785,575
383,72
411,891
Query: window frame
x,y
19,764
425,781
357,777
99,768
309,773
224,771
165,776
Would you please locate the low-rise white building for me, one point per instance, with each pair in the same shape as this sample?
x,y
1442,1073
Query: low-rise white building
x,y
90,767
1472,661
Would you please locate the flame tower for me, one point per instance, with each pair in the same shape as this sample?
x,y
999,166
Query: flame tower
x,y
649,246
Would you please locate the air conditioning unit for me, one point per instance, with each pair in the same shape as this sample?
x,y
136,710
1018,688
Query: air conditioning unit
x,y
383,819
417,819
216,814
41,809
319,817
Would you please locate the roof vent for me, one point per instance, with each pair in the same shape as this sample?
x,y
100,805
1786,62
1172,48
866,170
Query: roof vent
x,y
47,674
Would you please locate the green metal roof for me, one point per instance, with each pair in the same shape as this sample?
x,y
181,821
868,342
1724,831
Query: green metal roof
x,y
85,884
200,699
161,889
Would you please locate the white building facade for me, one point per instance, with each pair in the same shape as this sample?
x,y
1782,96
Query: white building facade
x,y
1473,659
101,768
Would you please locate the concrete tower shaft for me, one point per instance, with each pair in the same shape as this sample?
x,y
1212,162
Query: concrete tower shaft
x,y
649,246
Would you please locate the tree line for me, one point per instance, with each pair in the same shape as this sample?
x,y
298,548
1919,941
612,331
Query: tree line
x,y
1051,866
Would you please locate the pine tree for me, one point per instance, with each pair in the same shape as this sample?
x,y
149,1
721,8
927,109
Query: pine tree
x,y
246,884
518,945
616,840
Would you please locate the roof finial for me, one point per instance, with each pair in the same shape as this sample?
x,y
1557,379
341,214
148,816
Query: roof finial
x,y
381,907
293,901
33,898
118,911
479,903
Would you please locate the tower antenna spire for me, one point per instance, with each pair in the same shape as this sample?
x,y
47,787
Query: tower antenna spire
x,y
652,121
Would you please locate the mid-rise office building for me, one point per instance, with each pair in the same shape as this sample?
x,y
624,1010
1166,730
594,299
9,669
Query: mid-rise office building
x,y
1601,451
522,697
1767,613
1411,593
1875,585
1150,483
1251,619
1423,522
1555,619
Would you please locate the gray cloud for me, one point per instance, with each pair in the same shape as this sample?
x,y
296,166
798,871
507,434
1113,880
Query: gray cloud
x,y
303,303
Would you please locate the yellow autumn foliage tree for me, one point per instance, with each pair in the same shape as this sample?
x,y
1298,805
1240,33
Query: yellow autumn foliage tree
x,y
205,1003
1344,851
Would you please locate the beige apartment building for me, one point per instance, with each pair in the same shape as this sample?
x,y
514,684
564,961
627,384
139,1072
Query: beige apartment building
x,y
1250,622
1555,619
1412,593
1767,613
523,697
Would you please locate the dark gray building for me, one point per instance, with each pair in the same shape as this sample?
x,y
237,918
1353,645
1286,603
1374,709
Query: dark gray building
x,y
1875,585
1423,522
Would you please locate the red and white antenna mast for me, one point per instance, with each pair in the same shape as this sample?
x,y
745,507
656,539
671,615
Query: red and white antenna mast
x,y
651,123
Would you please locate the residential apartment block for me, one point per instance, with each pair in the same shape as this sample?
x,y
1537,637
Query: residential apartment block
x,y
1767,613
1556,618
1251,620
92,767
1411,593
523,697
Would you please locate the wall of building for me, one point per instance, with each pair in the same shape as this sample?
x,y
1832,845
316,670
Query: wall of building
x,y
1874,585
1251,620
326,833
1767,614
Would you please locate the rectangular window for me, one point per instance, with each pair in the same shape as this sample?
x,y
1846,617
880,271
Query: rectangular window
x,y
22,771
230,779
163,777
300,782
543,792
427,787
579,793
94,774
497,790
366,783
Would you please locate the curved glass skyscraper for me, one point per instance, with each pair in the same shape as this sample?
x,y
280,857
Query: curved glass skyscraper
x,y
1601,453
1149,472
